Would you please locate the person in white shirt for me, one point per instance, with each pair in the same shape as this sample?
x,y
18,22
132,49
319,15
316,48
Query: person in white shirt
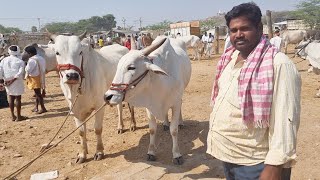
x,y
227,42
277,40
11,74
209,47
34,76
204,40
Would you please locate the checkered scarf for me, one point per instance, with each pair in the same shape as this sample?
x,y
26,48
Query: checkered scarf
x,y
255,83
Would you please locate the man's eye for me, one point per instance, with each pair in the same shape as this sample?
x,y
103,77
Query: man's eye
x,y
131,68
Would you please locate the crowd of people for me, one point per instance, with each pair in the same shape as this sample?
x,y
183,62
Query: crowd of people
x,y
13,71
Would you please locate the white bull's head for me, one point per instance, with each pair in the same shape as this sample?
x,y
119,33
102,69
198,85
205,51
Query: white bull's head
x,y
70,56
301,48
131,75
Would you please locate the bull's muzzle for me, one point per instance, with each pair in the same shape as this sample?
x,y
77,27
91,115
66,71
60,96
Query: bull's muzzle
x,y
107,98
72,76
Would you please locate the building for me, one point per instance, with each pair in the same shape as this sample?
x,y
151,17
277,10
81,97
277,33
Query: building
x,y
185,28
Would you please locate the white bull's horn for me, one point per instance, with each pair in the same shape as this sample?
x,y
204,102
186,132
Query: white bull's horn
x,y
83,35
153,47
133,43
50,35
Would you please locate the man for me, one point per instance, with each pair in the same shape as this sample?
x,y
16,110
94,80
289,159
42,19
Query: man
x,y
139,42
204,40
227,42
34,74
101,42
276,41
128,42
256,103
109,40
209,47
11,74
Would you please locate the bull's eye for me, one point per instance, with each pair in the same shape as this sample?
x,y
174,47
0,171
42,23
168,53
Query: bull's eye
x,y
131,68
81,53
57,53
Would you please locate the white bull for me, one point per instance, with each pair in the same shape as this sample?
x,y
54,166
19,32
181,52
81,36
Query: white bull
x,y
155,78
92,71
292,37
193,42
310,50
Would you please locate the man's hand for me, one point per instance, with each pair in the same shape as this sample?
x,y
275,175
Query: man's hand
x,y
8,83
271,173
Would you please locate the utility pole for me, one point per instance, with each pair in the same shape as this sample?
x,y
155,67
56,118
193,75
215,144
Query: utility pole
x,y
269,24
124,23
38,24
140,22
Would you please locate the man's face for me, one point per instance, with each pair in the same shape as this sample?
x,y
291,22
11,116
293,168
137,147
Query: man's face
x,y
244,35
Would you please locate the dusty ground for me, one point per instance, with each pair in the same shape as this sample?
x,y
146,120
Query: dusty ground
x,y
125,153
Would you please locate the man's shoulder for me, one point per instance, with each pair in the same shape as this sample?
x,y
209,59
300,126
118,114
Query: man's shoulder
x,y
281,58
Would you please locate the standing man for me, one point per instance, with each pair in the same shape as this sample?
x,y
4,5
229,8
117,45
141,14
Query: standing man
x,y
209,48
101,42
276,41
11,74
256,103
204,40
34,76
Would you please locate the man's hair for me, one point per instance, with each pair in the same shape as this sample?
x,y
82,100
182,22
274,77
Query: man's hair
x,y
31,50
249,10
13,48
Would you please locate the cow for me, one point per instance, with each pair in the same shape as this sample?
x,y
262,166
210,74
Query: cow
x,y
310,50
193,42
86,73
154,78
292,37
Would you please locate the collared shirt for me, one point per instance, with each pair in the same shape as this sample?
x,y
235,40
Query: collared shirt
x,y
13,67
205,38
33,66
230,140
277,42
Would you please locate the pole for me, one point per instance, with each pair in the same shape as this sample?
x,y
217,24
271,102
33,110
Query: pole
x,y
140,21
124,23
38,24
217,39
269,24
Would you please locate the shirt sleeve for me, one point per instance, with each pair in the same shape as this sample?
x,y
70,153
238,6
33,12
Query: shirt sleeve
x,y
285,113
20,71
1,70
31,65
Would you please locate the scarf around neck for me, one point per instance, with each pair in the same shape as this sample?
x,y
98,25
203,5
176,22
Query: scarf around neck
x,y
255,83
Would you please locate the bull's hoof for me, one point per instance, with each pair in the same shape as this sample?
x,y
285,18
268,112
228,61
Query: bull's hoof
x,y
80,160
120,131
133,128
317,96
98,156
178,160
166,128
181,126
151,157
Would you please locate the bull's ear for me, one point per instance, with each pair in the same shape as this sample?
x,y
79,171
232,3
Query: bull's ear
x,y
156,69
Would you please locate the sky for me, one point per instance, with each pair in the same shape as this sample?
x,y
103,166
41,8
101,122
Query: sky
x,y
25,14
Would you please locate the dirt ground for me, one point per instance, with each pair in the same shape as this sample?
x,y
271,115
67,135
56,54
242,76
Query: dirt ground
x,y
126,153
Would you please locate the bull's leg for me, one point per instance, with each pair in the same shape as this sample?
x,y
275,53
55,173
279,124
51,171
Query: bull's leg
x,y
133,125
120,119
194,53
98,130
152,130
82,156
285,47
177,158
181,124
166,124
